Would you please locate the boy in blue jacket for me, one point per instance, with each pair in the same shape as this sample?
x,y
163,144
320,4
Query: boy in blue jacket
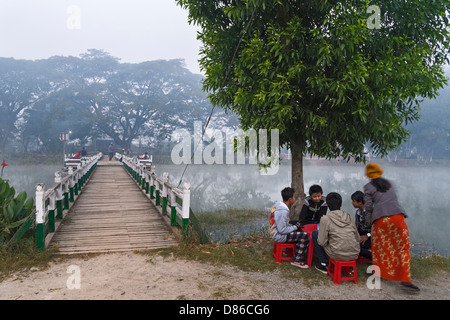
x,y
282,231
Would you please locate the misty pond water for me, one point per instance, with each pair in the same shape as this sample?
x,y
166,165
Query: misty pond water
x,y
422,191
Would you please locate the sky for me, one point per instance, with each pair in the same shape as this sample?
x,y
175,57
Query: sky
x,y
132,30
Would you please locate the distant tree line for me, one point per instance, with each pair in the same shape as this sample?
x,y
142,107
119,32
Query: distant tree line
x,y
98,98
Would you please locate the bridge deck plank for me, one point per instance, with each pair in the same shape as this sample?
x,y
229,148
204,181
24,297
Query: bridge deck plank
x,y
110,215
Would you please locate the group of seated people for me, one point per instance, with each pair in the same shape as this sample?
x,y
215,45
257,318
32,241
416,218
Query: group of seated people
x,y
339,236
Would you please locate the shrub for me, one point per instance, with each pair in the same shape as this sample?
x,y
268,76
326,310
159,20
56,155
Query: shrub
x,y
14,212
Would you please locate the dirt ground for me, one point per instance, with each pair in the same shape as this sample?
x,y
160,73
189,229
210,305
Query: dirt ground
x,y
134,276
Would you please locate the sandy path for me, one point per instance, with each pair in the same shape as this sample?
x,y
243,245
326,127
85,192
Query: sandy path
x,y
135,276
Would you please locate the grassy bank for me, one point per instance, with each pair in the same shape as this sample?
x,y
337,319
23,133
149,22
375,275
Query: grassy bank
x,y
24,257
248,252
255,254
228,224
252,254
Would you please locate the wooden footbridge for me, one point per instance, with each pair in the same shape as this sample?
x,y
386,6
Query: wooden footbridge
x,y
101,205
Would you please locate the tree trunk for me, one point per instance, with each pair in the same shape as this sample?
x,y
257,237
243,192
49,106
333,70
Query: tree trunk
x,y
297,179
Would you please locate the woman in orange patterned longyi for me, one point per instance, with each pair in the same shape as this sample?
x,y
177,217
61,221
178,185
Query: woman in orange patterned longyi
x,y
390,235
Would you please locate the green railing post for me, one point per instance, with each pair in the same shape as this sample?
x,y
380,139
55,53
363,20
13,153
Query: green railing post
x,y
66,200
51,220
164,205
173,215
59,209
51,212
71,198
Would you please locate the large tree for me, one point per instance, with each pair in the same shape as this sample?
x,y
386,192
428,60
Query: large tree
x,y
330,75
96,96
123,103
22,84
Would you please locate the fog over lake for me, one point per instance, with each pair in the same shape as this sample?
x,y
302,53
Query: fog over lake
x,y
422,191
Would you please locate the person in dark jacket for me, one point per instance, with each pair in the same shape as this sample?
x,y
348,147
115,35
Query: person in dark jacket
x,y
390,235
314,206
337,237
111,151
363,224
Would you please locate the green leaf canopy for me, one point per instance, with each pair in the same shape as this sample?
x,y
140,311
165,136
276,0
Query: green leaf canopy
x,y
332,76
316,71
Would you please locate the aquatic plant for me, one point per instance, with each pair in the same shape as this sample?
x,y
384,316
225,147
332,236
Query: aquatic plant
x,y
16,213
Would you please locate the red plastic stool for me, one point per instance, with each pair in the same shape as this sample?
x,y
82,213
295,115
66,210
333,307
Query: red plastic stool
x,y
280,247
336,268
309,228
362,259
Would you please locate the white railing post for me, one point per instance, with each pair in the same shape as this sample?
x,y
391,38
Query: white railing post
x,y
186,203
83,173
40,209
40,216
152,182
59,196
71,184
141,174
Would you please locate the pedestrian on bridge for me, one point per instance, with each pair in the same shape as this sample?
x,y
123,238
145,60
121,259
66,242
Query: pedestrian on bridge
x,y
111,151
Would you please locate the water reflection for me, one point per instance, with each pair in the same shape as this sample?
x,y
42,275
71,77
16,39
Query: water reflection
x,y
25,177
421,191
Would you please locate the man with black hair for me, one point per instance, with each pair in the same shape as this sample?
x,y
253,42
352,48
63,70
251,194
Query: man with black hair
x,y
282,231
363,224
314,206
337,237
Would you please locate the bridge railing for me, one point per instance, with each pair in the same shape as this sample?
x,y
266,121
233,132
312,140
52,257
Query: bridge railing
x,y
51,204
174,202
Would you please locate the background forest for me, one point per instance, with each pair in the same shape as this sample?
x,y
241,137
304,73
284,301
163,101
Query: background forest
x,y
138,106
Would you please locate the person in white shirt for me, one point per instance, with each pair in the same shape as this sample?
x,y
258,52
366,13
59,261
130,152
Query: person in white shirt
x,y
282,231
